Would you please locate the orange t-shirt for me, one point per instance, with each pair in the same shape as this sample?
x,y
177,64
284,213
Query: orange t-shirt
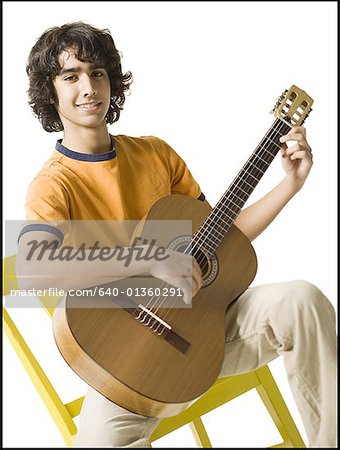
x,y
119,185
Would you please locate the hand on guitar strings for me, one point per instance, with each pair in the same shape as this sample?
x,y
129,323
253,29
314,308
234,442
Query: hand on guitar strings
x,y
181,271
297,159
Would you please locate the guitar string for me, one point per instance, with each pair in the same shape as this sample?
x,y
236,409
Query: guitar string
x,y
195,246
237,187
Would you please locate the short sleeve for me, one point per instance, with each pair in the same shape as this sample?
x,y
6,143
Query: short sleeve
x,y
182,181
47,207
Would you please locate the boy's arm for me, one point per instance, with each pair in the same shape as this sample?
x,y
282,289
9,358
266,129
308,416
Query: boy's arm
x,y
297,162
42,270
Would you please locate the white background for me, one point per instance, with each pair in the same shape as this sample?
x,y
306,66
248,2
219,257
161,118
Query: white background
x,y
205,76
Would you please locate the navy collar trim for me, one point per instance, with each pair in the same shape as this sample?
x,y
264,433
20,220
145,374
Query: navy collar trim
x,y
85,156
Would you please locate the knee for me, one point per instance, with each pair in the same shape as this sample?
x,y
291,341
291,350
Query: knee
x,y
106,424
304,298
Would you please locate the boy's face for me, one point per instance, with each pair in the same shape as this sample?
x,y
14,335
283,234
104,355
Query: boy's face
x,y
83,92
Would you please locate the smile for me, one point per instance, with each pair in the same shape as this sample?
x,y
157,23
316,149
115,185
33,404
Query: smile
x,y
89,106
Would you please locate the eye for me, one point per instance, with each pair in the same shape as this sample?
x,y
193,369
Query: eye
x,y
98,74
70,78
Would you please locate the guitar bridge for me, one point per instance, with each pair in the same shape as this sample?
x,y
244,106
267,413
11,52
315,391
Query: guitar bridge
x,y
161,328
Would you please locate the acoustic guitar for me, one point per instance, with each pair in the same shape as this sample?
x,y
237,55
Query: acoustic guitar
x,y
157,361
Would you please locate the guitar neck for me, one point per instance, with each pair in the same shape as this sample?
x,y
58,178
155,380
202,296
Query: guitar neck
x,y
223,215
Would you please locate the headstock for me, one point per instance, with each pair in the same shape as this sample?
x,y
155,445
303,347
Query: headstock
x,y
293,106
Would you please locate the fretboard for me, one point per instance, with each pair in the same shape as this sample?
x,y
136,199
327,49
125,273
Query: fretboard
x,y
222,216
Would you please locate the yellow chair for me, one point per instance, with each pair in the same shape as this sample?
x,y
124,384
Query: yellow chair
x,y
224,390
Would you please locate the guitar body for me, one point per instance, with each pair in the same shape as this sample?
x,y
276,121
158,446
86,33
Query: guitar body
x,y
133,366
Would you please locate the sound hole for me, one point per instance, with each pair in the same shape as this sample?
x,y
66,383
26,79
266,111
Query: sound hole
x,y
200,257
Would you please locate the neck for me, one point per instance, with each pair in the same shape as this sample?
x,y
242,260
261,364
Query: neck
x,y
89,141
229,206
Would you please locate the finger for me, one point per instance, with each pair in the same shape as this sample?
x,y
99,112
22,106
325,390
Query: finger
x,y
284,148
302,154
293,148
187,292
292,137
194,287
301,130
197,266
197,273
296,148
197,281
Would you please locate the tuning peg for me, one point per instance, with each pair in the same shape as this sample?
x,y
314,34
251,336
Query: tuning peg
x,y
303,121
275,106
278,101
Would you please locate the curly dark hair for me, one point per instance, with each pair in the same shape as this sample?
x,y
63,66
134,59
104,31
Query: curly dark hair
x,y
91,45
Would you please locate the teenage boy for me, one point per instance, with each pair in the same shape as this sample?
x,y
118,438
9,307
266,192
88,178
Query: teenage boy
x,y
77,86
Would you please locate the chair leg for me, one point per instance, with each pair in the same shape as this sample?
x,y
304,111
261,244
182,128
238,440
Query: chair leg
x,y
200,433
51,399
277,408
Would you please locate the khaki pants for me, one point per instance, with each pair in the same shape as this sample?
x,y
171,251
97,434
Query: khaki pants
x,y
293,320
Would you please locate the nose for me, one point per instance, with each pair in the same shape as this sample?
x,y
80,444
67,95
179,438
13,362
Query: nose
x,y
88,86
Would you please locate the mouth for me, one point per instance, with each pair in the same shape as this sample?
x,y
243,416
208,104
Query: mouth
x,y
91,106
